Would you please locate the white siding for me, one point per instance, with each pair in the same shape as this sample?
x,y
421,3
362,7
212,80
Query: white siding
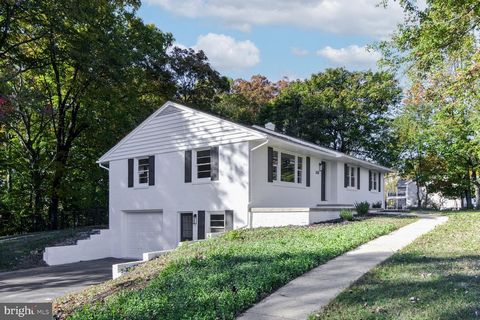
x,y
172,195
176,131
274,195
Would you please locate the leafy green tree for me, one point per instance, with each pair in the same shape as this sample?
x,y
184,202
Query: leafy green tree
x,y
344,110
73,51
438,46
197,83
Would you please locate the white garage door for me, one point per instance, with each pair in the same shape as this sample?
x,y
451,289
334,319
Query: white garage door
x,y
142,233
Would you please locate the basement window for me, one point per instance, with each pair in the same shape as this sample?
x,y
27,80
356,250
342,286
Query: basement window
x,y
217,223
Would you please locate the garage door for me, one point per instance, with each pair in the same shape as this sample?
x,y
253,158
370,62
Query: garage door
x,y
142,233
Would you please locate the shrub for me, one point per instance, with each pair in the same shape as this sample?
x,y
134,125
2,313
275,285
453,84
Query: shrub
x,y
377,205
362,207
346,215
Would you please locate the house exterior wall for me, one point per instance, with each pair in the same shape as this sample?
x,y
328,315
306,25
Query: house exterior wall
x,y
292,195
172,195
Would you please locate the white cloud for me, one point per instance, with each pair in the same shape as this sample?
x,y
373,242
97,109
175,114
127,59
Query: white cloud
x,y
358,17
352,56
227,54
299,51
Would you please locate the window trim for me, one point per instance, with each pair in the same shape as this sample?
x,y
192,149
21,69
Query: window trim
x,y
277,173
195,178
350,169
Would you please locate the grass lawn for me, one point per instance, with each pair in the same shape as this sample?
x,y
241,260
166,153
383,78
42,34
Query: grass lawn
x,y
26,250
219,278
435,277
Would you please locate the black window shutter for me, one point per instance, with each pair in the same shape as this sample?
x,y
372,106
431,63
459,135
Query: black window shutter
x,y
130,173
214,163
228,220
369,180
188,165
345,175
324,177
358,178
379,182
151,170
201,225
308,171
270,164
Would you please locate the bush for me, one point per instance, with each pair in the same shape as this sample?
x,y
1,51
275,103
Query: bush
x,y
362,207
377,205
346,215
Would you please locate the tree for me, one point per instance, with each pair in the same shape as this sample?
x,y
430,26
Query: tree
x,y
248,98
438,46
344,110
76,49
197,83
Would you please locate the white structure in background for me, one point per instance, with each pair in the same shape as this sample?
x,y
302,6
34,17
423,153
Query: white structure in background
x,y
183,174
405,197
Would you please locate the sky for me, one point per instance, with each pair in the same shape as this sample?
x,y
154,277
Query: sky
x,y
277,38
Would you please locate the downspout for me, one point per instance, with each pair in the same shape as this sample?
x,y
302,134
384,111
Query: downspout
x,y
249,213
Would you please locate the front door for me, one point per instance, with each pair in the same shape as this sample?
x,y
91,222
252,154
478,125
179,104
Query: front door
x,y
186,226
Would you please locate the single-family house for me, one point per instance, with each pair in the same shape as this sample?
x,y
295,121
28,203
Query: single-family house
x,y
184,174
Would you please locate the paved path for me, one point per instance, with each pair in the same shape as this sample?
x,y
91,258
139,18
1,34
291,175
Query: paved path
x,y
42,284
315,289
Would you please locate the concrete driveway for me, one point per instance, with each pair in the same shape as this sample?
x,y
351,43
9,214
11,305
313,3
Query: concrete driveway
x,y
43,284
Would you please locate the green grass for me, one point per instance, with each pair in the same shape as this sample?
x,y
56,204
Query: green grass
x,y
26,250
219,278
436,277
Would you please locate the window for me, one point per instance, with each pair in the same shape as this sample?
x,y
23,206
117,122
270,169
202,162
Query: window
x,y
374,180
299,169
204,167
286,167
143,170
275,165
287,171
217,223
350,176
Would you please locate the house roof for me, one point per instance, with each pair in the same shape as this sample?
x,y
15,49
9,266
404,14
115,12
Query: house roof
x,y
256,132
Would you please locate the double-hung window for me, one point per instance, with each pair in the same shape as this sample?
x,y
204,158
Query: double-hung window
x,y
374,180
350,176
143,170
203,163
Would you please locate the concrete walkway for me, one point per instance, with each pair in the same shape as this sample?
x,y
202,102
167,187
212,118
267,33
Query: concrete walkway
x,y
315,289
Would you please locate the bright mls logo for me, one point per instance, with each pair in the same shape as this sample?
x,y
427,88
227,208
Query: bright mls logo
x,y
28,311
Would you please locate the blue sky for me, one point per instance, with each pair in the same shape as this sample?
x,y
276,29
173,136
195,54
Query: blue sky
x,y
276,38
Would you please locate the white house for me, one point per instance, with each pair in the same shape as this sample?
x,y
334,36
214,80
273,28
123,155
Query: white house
x,y
183,174
404,196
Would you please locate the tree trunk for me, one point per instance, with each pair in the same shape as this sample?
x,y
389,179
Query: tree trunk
x,y
476,185
59,174
419,197
468,191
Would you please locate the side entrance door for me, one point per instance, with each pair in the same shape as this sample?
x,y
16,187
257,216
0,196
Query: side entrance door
x,y
186,226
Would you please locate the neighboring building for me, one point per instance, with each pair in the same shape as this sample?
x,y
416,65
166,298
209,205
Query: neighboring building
x,y
184,174
405,197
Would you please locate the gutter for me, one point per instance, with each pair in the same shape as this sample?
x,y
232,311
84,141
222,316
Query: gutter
x,y
100,164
